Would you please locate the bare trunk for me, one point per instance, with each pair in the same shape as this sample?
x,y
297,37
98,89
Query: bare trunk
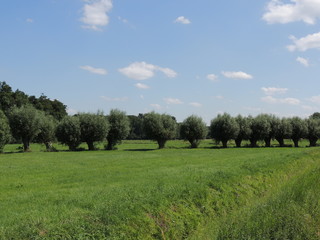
x,y
238,142
161,143
280,141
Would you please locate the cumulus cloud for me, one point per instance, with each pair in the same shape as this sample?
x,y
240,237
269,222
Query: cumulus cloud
x,y
99,71
212,77
195,104
310,41
303,61
237,75
141,86
274,90
143,71
307,11
173,101
182,20
273,100
95,14
109,99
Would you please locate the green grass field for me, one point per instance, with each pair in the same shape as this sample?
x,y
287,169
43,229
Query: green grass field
x,y
139,192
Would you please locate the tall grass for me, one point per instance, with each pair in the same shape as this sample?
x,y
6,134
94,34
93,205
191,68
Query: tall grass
x,y
141,193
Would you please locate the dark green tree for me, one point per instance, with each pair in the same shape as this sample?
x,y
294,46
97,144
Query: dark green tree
x,y
224,128
315,115
24,124
119,128
159,127
313,133
6,97
93,127
260,129
4,131
136,127
68,132
283,130
244,130
299,130
193,129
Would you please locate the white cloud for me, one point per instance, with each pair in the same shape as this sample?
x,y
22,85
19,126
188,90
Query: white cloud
x,y
99,71
219,97
95,14
143,71
212,77
141,86
273,90
237,75
315,99
195,104
123,20
172,101
273,100
108,99
156,106
182,20
303,61
297,10
305,43
29,20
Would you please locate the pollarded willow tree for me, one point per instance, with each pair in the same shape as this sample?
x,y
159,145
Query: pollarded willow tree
x,y
313,133
299,130
159,127
273,120
93,128
193,129
4,131
68,132
24,124
119,128
260,129
224,128
283,130
244,130
47,127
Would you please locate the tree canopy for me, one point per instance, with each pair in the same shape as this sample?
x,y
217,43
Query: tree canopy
x,y
193,129
159,127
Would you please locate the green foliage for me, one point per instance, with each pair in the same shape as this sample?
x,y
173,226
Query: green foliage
x,y
136,127
159,127
244,129
68,132
24,124
10,99
193,129
93,127
54,107
260,129
282,130
299,130
4,131
313,132
119,128
47,125
224,128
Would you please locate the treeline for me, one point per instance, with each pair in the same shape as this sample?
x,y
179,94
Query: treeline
x,y
27,124
25,119
17,98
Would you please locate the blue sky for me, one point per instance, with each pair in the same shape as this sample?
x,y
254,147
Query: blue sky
x,y
179,57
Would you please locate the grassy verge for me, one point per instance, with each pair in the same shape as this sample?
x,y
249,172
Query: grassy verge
x,y
141,193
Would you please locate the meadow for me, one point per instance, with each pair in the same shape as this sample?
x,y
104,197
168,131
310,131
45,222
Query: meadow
x,y
140,192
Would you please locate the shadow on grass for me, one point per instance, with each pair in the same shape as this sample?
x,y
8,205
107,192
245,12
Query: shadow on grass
x,y
139,150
